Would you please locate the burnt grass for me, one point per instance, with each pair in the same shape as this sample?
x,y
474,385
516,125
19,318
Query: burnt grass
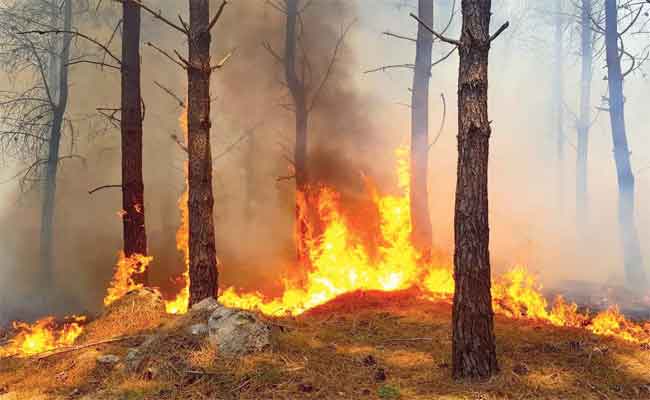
x,y
359,346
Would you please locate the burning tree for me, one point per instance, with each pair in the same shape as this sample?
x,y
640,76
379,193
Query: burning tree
x,y
203,269
304,95
133,216
473,344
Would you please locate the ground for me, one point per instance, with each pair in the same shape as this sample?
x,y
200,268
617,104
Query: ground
x,y
361,346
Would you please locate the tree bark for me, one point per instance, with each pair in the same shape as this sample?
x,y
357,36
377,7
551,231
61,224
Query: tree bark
x,y
633,261
59,91
133,219
419,195
584,123
473,342
203,260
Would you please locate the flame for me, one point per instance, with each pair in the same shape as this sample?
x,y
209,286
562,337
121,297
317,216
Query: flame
x,y
179,304
42,336
342,264
125,270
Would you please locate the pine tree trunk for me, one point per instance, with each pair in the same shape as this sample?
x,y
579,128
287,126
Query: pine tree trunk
x,y
473,343
133,219
633,261
59,84
587,50
420,217
203,260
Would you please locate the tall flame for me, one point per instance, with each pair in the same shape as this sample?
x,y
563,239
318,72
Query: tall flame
x,y
179,304
342,264
123,278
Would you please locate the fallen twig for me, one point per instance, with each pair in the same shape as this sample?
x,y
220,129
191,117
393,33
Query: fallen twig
x,y
87,345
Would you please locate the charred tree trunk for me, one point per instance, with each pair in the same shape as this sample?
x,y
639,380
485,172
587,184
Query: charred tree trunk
x,y
584,123
633,261
203,259
59,92
473,343
558,101
304,207
135,234
419,194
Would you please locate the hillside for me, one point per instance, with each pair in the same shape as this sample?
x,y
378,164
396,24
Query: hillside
x,y
360,346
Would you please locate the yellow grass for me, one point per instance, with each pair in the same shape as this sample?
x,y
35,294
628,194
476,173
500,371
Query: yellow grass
x,y
335,352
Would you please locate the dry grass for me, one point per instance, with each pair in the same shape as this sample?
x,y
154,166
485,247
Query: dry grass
x,y
343,350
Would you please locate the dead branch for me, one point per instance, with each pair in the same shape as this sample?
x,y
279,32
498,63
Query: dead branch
x,y
77,34
218,15
387,67
499,31
397,36
97,189
87,345
181,102
434,33
164,53
158,15
442,121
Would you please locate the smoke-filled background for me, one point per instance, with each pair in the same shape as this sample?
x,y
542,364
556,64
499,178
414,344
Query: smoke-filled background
x,y
357,123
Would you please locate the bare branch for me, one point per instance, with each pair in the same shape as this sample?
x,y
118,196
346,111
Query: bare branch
x,y
499,31
164,53
218,15
434,33
97,189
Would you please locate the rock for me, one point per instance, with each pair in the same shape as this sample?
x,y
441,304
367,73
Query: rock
x,y
108,359
135,356
236,332
209,304
198,330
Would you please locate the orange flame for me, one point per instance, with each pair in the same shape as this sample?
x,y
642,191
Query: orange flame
x,y
342,264
179,304
42,336
123,278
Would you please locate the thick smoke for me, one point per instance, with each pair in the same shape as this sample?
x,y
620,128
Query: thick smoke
x,y
356,125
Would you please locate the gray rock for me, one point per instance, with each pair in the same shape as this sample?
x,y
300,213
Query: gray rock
x,y
108,359
237,332
208,304
198,330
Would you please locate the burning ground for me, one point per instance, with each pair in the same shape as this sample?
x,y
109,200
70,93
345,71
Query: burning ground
x,y
370,319
371,345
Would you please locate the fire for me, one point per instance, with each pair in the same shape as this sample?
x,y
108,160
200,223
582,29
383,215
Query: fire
x,y
123,277
42,336
179,304
341,263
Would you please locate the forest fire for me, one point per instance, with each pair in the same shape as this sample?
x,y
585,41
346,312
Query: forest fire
x,y
342,263
124,276
42,336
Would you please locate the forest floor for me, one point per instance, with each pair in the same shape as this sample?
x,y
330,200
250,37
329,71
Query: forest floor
x,y
360,346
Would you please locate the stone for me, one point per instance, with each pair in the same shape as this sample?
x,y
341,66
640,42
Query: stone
x,y
236,332
209,304
198,330
108,359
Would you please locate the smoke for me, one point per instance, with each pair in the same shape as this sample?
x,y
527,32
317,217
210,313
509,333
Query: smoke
x,y
356,124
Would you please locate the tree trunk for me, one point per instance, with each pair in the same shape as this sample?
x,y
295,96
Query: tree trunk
x,y
419,194
633,261
306,216
584,123
473,343
133,219
203,260
59,92
558,101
